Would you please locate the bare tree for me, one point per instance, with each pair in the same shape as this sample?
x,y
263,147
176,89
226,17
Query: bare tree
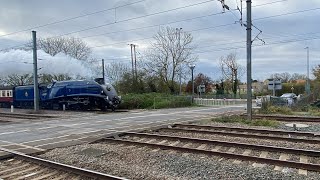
x,y
115,71
2,81
47,78
285,77
171,52
71,46
18,79
231,70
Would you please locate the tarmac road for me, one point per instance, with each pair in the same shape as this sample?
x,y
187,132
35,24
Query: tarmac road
x,y
82,127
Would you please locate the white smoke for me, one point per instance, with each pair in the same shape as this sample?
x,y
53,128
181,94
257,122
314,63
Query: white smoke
x,y
21,62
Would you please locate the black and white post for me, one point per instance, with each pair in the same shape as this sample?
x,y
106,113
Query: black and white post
x,y
249,78
192,66
35,72
103,75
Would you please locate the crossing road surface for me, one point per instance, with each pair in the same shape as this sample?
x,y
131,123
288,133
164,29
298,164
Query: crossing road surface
x,y
33,136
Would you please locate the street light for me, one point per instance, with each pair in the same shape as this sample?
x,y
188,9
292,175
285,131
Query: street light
x,y
192,66
307,83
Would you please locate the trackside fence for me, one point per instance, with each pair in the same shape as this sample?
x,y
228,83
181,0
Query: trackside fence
x,y
219,102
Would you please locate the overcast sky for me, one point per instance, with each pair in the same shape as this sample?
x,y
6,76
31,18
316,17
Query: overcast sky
x,y
285,32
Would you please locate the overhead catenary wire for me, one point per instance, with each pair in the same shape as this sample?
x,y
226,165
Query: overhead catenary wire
x,y
174,9
135,18
125,59
266,17
260,45
69,19
129,19
172,22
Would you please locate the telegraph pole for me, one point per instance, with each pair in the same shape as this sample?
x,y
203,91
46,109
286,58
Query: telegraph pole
x,y
308,81
132,60
35,72
103,76
135,61
249,42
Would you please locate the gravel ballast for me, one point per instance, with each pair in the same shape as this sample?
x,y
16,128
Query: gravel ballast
x,y
136,162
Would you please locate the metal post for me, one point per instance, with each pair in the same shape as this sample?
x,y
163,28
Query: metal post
x,y
180,89
308,80
135,61
273,87
103,76
35,72
192,81
132,60
249,42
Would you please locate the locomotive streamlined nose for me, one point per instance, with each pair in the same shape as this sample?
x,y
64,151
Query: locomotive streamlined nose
x,y
112,95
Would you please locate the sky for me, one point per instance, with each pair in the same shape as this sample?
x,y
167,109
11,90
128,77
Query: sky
x,y
287,28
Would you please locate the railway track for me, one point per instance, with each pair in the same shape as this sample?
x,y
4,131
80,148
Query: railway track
x,y
280,135
23,166
280,157
23,116
287,118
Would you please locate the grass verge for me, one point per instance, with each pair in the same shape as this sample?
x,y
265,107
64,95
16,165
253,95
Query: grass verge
x,y
154,101
267,108
243,120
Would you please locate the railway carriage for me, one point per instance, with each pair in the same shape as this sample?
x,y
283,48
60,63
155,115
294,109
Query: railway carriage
x,y
6,96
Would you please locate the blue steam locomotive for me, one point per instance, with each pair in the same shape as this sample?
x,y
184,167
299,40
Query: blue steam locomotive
x,y
75,94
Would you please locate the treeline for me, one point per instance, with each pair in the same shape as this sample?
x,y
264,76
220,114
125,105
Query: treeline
x,y
27,79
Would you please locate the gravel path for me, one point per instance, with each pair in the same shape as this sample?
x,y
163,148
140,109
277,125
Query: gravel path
x,y
142,163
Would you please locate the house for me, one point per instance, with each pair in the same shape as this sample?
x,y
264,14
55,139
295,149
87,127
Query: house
x,y
257,87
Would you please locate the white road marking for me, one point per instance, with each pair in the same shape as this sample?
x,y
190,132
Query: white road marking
x,y
12,132
109,129
19,144
125,118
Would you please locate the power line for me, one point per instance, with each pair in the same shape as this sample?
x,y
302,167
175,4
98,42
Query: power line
x,y
141,17
135,18
212,27
267,44
69,19
188,19
289,13
125,59
156,25
253,19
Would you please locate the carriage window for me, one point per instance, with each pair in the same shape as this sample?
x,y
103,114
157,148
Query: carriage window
x,y
3,93
10,93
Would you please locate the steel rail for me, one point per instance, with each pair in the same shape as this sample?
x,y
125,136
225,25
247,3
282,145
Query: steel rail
x,y
241,129
25,116
292,164
227,143
287,118
290,139
64,167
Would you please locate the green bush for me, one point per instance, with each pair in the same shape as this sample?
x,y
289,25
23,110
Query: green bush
x,y
314,111
153,100
243,120
267,108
